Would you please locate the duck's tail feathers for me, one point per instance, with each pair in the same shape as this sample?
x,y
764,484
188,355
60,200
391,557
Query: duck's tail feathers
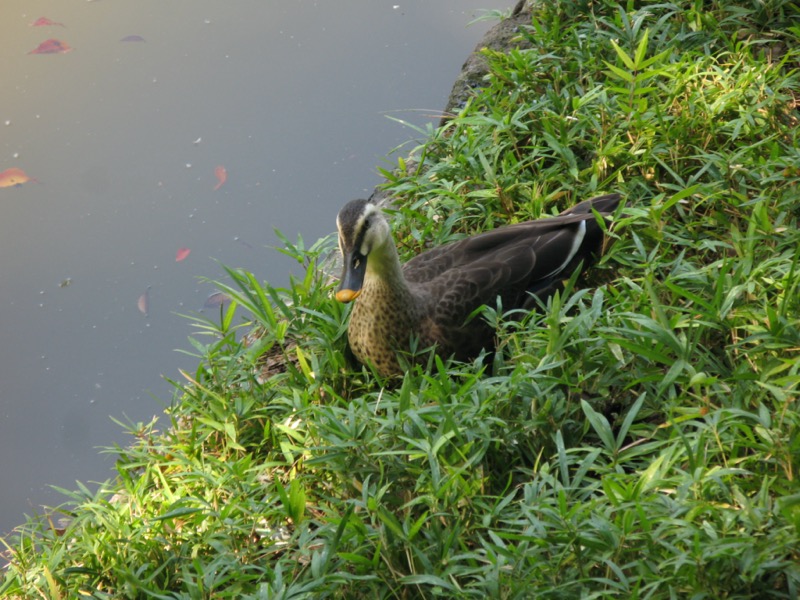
x,y
605,204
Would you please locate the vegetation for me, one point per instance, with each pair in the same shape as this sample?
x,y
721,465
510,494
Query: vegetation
x,y
639,437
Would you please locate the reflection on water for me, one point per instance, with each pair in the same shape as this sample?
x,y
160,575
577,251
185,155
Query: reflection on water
x,y
126,143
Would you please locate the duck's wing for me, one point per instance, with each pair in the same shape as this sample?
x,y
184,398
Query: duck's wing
x,y
509,262
474,249
548,239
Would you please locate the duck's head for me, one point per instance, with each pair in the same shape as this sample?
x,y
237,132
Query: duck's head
x,y
362,230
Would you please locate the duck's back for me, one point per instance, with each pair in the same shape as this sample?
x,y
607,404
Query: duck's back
x,y
509,264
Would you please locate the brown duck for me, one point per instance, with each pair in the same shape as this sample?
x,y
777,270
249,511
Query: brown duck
x,y
428,301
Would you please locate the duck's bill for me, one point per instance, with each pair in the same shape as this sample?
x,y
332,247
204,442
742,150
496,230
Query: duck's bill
x,y
355,266
347,295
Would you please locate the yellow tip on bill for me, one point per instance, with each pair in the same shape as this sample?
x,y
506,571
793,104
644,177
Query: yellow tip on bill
x,y
347,295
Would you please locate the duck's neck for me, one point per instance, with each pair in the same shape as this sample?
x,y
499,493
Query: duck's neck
x,y
384,276
385,288
386,316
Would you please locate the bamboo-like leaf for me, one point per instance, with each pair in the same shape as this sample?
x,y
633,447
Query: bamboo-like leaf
x,y
633,411
626,60
621,74
601,426
297,500
641,51
54,591
182,511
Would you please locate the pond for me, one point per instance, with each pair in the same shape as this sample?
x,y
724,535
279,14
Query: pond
x,y
156,141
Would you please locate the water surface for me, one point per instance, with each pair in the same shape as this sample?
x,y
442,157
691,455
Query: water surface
x,y
124,137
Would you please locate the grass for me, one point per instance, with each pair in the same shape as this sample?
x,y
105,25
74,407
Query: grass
x,y
638,438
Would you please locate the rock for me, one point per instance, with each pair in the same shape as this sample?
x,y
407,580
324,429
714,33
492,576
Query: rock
x,y
500,38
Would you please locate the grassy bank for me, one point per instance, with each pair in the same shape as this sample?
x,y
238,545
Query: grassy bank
x,y
637,439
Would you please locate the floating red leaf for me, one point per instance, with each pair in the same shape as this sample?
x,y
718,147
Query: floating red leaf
x,y
182,254
143,303
13,177
51,46
45,22
222,176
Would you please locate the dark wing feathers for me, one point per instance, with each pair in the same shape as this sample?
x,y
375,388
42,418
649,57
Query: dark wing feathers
x,y
477,248
507,270
430,264
507,262
606,204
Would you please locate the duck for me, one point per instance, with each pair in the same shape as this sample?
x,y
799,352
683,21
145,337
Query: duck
x,y
431,301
